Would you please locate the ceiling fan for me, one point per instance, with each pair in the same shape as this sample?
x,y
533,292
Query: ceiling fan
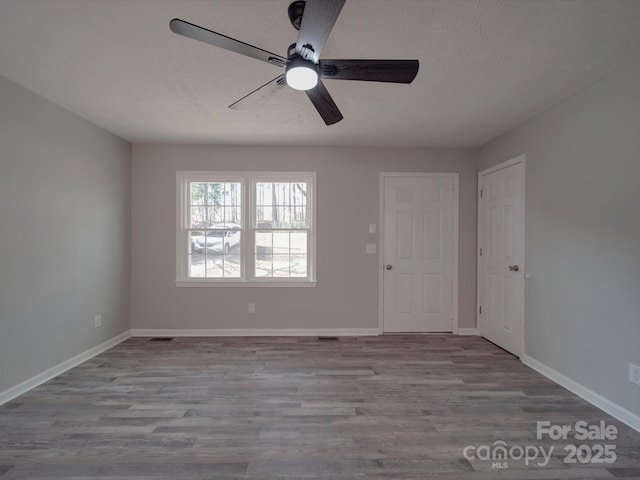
x,y
304,70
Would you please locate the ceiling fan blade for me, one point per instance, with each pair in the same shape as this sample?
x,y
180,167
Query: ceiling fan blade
x,y
325,105
218,40
317,22
395,71
259,93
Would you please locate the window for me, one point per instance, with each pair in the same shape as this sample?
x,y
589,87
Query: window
x,y
246,229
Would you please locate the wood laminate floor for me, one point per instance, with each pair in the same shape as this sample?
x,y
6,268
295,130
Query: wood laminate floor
x,y
392,407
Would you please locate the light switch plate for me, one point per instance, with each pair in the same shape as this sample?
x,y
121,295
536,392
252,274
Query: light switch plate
x,y
372,228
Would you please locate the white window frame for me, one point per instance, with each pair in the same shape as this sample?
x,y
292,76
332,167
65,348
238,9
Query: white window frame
x,y
248,181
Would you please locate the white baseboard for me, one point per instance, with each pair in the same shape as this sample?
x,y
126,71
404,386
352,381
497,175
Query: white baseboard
x,y
613,409
468,331
52,372
256,332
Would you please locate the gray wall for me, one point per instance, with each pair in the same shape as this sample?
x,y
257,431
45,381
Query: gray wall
x,y
583,234
64,234
347,183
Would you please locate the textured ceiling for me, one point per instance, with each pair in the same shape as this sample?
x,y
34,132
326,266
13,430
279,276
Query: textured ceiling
x,y
485,66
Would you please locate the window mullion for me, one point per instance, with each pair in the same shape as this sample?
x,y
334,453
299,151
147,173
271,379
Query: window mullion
x,y
248,257
183,236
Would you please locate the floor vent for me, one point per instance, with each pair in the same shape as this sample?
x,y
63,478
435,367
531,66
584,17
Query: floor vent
x,y
328,339
160,339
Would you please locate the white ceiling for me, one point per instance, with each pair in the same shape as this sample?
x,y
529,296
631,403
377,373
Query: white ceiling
x,y
485,66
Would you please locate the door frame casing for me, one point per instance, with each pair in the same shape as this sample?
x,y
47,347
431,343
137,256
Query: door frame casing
x,y
455,212
509,163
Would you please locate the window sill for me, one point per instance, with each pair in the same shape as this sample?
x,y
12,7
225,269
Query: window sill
x,y
245,284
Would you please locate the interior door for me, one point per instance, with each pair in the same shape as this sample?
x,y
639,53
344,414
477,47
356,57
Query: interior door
x,y
418,253
501,255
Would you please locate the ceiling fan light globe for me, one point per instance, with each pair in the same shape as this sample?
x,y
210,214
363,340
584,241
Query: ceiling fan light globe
x,y
301,78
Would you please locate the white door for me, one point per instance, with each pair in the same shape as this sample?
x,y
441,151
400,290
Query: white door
x,y
419,248
501,255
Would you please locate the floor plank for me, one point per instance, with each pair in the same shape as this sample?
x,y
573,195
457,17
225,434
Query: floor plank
x,y
391,407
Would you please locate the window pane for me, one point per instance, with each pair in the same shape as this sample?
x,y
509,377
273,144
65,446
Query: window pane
x,y
196,241
223,266
198,193
264,254
264,194
301,188
298,265
281,254
281,266
232,217
198,217
264,266
196,266
281,205
233,205
214,266
232,241
231,266
298,254
281,243
264,243
215,217
299,217
215,193
299,243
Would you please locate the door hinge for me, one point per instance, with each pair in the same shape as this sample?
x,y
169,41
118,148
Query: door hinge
x,y
480,251
481,193
480,309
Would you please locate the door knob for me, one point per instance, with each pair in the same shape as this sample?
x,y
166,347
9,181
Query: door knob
x,y
388,267
514,268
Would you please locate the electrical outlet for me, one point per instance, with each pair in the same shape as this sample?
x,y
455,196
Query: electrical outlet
x,y
372,228
252,308
634,373
97,320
